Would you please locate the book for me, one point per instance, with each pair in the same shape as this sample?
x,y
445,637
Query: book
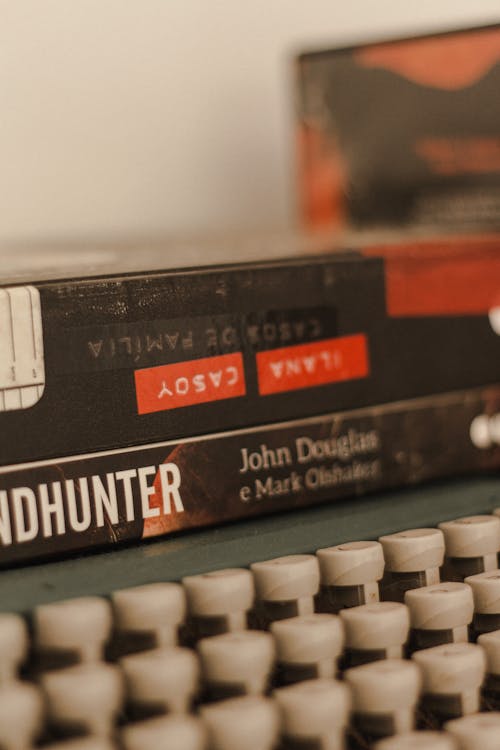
x,y
77,503
401,131
235,369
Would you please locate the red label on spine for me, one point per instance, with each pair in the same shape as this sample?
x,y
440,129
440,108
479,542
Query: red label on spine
x,y
197,381
449,276
308,365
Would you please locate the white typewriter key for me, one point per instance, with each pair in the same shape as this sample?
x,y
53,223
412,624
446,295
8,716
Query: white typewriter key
x,y
237,663
219,601
165,733
307,647
486,593
85,743
13,645
423,740
472,544
71,632
384,697
160,681
21,716
452,678
490,643
249,723
147,617
350,575
412,559
439,614
375,631
286,586
315,714
85,699
478,732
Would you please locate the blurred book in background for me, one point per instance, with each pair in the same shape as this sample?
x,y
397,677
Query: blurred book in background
x,y
403,132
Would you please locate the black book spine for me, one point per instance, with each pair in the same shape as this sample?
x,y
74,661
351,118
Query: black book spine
x,y
75,503
99,364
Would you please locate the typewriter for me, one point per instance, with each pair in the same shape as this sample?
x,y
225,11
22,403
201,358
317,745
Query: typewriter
x,y
373,623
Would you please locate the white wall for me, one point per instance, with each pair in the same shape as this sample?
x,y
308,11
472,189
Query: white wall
x,y
151,115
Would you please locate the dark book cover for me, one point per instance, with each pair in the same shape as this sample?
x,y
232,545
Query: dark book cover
x,y
77,503
403,131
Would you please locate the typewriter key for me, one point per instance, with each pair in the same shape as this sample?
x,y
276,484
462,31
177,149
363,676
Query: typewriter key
x,y
307,647
384,697
71,632
315,714
21,715
160,681
486,593
147,617
471,544
83,700
13,645
219,602
165,733
423,740
285,587
249,723
490,643
235,664
412,560
478,731
439,614
350,574
452,678
374,631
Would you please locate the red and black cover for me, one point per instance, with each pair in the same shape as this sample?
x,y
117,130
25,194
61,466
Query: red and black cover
x,y
402,132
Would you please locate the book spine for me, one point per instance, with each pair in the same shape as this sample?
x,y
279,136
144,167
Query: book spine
x,y
76,503
101,364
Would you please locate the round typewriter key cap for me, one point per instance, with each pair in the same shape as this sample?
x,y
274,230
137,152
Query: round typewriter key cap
x,y
472,544
166,733
249,723
486,593
13,645
490,643
477,732
452,678
71,632
412,560
219,601
235,664
147,617
315,714
439,614
496,511
384,697
285,587
375,631
350,575
422,740
82,700
160,681
21,715
307,647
